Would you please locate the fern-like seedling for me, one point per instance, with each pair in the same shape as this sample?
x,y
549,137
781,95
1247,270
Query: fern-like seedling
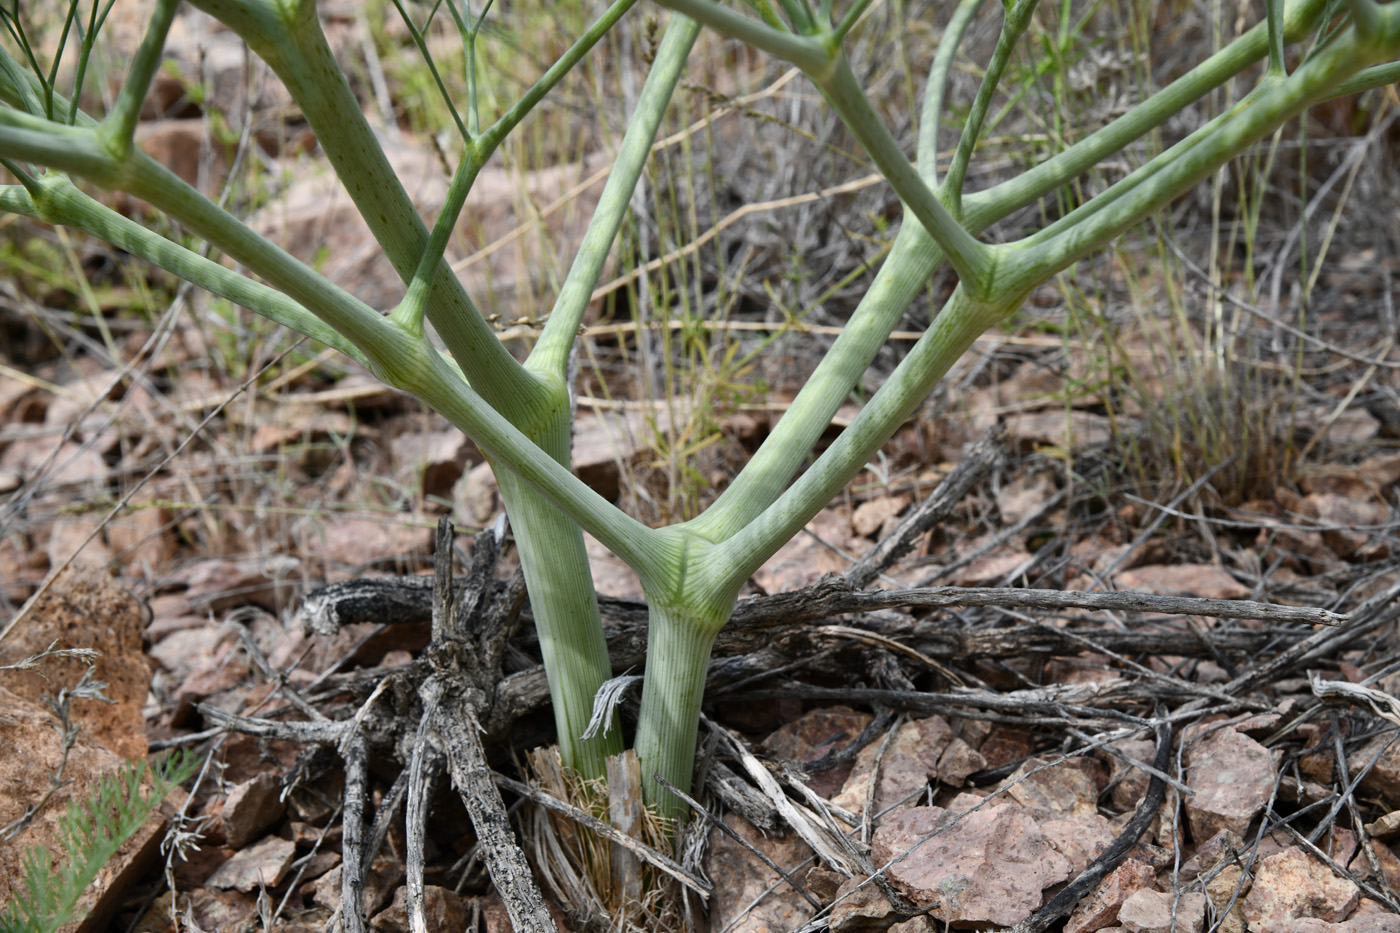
x,y
90,832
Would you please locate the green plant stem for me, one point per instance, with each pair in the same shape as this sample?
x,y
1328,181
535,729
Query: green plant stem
x,y
965,317
390,352
678,658
915,256
1185,164
551,353
119,129
1018,17
821,59
1371,78
1274,23
937,87
297,51
804,52
61,202
912,259
974,262
416,35
849,20
411,310
985,207
494,134
960,322
564,606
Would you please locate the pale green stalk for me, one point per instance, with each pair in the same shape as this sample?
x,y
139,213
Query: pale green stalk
x,y
960,322
1013,26
931,114
553,556
58,201
290,40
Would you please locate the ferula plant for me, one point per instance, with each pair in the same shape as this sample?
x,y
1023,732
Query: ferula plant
x,y
437,344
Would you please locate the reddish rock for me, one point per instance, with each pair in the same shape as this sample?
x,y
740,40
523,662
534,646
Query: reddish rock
x,y
814,735
1223,845
611,577
443,909
383,877
357,542
1005,744
910,762
1373,922
1080,838
958,761
1382,780
185,148
1099,909
1147,911
993,565
988,867
1205,580
258,866
206,909
79,612
1130,783
1079,429
476,497
208,680
252,807
22,568
188,649
871,516
1389,863
740,879
1025,495
431,461
30,753
1342,514
807,557
1226,895
858,906
1048,793
1291,885
1233,776
143,540
1385,827
216,585
34,459
1371,917
77,540
920,924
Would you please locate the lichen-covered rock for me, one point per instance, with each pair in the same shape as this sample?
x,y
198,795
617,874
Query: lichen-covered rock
x,y
1232,776
30,752
1292,885
1148,911
1099,909
740,879
989,866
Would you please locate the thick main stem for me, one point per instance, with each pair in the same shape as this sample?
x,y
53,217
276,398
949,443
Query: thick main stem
x,y
565,609
678,657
